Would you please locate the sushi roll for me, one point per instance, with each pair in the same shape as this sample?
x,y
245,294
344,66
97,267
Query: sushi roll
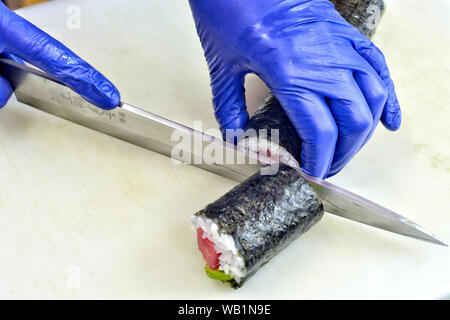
x,y
249,225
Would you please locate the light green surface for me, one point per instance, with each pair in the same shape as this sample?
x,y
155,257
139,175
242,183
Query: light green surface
x,y
83,215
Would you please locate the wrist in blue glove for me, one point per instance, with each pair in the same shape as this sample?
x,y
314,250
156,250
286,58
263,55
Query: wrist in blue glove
x,y
332,82
19,38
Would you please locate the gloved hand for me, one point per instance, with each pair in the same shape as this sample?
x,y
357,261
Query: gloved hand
x,y
332,81
19,38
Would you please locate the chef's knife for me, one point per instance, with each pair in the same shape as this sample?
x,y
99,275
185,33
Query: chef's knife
x,y
164,136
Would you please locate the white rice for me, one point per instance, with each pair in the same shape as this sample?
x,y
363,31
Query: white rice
x,y
260,146
230,261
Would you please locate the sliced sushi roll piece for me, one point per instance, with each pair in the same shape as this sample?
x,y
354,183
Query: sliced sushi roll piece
x,y
249,225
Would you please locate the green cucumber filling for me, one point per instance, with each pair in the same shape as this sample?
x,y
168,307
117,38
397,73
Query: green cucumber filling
x,y
217,274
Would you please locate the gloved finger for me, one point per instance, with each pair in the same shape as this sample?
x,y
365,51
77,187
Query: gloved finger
x,y
375,93
354,121
230,109
311,117
26,41
391,116
5,91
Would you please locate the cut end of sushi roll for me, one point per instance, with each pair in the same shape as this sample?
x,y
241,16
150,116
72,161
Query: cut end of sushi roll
x,y
208,250
223,261
269,149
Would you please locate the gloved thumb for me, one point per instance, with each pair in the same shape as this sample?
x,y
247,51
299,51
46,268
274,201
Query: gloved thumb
x,y
229,105
5,87
5,91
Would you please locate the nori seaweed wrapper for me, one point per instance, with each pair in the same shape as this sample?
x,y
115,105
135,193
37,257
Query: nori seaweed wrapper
x,y
270,114
264,214
359,13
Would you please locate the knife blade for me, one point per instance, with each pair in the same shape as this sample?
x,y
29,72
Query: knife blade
x,y
140,127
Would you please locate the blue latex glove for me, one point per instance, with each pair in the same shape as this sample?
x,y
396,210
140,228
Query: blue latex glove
x,y
332,81
19,38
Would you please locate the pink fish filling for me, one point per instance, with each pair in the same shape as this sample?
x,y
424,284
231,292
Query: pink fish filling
x,y
267,153
208,251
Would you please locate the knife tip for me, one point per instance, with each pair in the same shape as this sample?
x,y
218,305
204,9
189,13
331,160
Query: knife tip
x,y
443,244
437,241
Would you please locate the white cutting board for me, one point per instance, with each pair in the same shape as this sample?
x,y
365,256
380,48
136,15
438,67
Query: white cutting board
x,y
84,215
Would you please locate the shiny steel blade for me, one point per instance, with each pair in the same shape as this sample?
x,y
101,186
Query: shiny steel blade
x,y
156,133
129,123
348,205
